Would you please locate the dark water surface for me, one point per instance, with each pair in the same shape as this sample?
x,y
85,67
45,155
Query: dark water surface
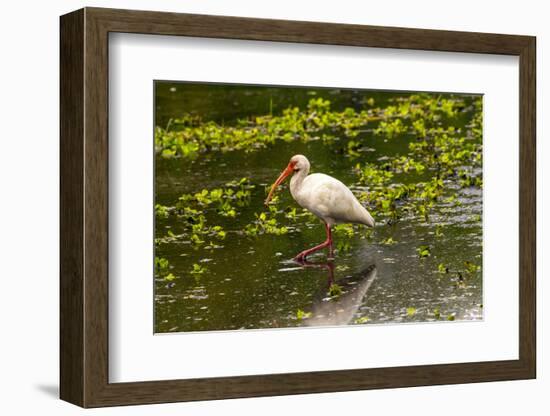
x,y
253,283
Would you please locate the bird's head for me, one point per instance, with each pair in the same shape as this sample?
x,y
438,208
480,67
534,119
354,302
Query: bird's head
x,y
298,163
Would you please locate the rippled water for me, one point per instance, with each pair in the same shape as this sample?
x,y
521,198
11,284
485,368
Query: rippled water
x,y
252,283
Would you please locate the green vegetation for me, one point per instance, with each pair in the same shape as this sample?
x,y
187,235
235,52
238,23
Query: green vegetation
x,y
410,159
344,230
162,270
441,268
300,315
335,290
450,155
389,241
418,114
189,135
264,225
198,269
169,277
439,157
423,251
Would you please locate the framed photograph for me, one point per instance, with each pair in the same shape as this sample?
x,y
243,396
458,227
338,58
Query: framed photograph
x,y
255,207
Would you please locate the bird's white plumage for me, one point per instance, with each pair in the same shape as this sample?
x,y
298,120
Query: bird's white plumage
x,y
326,197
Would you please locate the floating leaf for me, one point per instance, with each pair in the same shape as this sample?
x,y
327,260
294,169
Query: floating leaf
x,y
471,267
300,314
389,241
334,290
423,251
169,277
198,269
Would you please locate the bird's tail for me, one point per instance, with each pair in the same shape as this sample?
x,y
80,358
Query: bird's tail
x,y
371,223
368,220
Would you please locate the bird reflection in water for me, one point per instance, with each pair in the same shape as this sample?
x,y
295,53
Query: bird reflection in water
x,y
341,309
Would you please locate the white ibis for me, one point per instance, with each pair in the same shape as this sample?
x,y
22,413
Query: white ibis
x,y
326,197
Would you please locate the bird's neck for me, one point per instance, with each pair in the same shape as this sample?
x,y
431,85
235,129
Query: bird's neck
x,y
297,180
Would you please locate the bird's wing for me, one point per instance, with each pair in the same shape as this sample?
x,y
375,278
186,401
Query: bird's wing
x,y
330,198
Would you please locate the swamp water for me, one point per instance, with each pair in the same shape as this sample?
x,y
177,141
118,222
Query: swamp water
x,y
223,260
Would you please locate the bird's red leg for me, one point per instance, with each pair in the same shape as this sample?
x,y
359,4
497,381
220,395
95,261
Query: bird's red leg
x,y
329,238
327,243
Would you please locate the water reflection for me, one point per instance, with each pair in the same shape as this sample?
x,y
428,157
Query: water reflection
x,y
342,307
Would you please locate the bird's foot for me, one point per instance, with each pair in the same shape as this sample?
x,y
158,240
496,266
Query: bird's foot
x,y
301,257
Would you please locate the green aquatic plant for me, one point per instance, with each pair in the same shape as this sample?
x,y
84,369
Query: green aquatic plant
x,y
196,232
373,175
193,205
475,218
162,211
161,264
169,277
300,315
423,251
335,290
419,127
162,269
391,129
170,237
353,148
389,241
467,179
192,209
291,214
211,246
294,214
471,267
218,232
342,246
343,230
190,135
265,225
196,239
420,114
448,107
405,164
198,269
437,151
252,230
225,209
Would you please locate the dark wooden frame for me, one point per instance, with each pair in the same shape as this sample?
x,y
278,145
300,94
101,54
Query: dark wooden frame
x,y
84,207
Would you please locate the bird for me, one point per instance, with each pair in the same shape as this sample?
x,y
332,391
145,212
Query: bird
x,y
324,196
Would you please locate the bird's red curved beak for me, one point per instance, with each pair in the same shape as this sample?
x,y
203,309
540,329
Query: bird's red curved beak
x,y
284,174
